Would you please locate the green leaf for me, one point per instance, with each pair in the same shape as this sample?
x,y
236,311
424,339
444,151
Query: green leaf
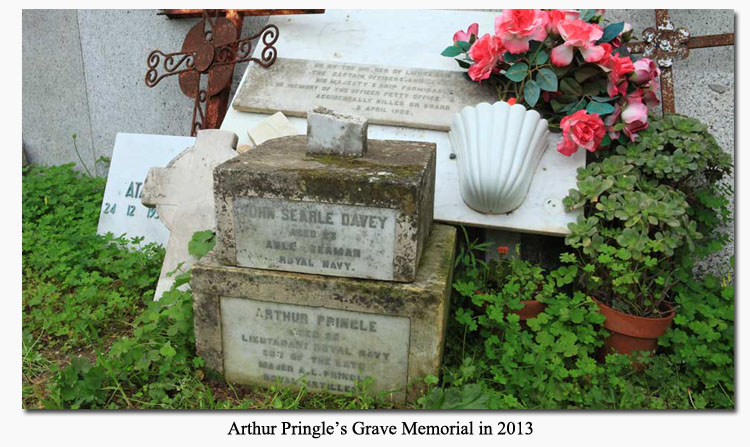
x,y
610,32
202,243
451,51
531,93
541,58
167,350
602,98
586,71
569,86
547,79
587,14
600,108
464,45
517,72
463,64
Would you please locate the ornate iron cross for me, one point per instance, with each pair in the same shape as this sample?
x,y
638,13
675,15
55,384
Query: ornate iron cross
x,y
211,49
665,43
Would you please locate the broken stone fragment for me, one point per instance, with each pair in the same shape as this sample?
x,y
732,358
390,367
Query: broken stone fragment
x,y
275,126
332,133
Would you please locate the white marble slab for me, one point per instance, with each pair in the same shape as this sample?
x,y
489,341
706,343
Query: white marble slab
x,y
393,38
394,96
331,349
122,211
319,238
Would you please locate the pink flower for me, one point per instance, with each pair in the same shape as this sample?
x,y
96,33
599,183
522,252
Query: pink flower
x,y
611,120
580,129
649,94
581,35
516,27
462,36
634,115
644,71
558,15
486,53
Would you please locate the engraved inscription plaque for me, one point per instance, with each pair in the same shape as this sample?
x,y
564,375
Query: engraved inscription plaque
x,y
331,349
409,97
312,237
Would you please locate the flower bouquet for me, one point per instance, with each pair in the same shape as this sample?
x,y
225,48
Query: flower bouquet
x,y
568,66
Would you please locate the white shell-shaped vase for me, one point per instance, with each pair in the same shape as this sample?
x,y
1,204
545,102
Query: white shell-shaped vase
x,y
497,150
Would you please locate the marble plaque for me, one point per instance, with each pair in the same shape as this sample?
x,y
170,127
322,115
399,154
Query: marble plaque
x,y
311,237
331,349
409,97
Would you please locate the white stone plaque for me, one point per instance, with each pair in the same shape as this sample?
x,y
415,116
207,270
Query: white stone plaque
x,y
331,349
312,237
411,97
122,211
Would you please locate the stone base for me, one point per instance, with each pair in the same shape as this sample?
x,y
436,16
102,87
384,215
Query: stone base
x,y
278,208
259,326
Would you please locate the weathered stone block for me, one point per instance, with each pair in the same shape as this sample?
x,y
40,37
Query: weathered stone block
x,y
332,133
255,326
279,208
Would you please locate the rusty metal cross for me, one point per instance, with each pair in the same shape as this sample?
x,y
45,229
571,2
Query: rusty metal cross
x,y
665,43
212,48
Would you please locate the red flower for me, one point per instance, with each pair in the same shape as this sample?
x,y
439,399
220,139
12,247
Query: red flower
x,y
502,250
580,129
486,53
618,67
511,101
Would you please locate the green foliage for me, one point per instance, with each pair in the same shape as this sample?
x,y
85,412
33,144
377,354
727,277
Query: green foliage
x,y
156,367
701,339
496,361
645,209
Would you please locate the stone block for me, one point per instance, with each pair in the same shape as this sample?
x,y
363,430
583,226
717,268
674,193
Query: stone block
x,y
256,326
333,133
279,208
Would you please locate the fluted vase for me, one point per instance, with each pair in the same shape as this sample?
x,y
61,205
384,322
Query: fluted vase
x,y
498,148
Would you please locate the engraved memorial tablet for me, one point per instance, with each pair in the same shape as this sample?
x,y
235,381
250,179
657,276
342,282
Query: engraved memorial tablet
x,y
397,96
322,238
330,349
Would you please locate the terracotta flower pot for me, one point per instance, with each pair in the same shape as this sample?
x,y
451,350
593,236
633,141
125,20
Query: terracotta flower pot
x,y
530,309
629,333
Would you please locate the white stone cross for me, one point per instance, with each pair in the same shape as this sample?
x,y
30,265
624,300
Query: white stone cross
x,y
183,195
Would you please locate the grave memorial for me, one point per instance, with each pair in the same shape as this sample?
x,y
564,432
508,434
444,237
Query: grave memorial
x,y
122,211
280,297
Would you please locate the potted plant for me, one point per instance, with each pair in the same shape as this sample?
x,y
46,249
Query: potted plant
x,y
643,208
505,285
